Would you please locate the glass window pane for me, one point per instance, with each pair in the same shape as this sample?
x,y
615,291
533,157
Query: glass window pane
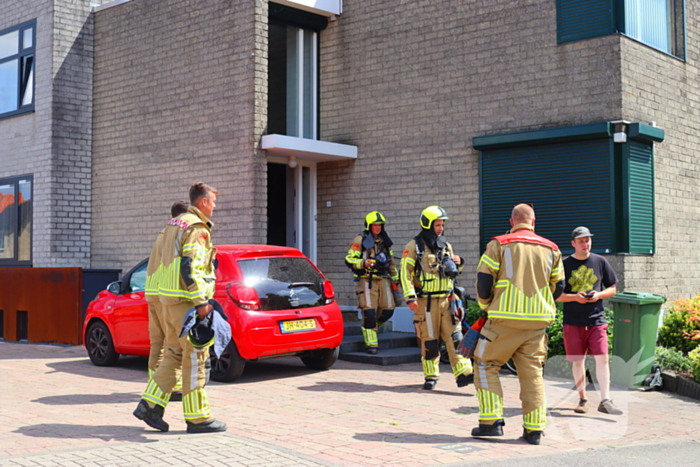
x,y
27,38
309,84
8,85
27,80
24,242
293,91
277,79
8,218
306,211
649,21
9,44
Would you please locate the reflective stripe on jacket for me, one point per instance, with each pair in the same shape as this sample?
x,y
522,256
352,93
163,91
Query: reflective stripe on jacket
x,y
429,278
181,263
525,269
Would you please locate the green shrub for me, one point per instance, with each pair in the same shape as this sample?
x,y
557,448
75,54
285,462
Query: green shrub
x,y
555,333
672,359
679,325
472,311
694,357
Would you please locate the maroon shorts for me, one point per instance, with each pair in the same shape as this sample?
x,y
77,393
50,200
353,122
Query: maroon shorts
x,y
581,339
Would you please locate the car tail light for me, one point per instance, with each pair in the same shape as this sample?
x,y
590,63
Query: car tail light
x,y
243,296
328,291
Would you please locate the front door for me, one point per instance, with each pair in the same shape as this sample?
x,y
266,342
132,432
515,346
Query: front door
x,y
291,205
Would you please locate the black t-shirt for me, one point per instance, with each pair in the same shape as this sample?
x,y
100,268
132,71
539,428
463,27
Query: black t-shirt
x,y
594,273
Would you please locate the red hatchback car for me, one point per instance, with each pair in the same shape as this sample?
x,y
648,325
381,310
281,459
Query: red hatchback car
x,y
278,303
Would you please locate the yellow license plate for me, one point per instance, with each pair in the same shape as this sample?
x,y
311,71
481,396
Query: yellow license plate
x,y
298,325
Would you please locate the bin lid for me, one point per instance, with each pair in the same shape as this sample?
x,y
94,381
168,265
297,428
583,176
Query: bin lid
x,y
638,298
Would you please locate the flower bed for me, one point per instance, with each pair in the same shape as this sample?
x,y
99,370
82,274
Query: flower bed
x,y
680,384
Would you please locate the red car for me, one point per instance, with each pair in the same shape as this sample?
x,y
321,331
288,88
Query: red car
x,y
278,303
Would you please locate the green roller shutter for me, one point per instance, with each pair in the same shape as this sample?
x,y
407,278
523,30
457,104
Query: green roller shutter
x,y
584,19
638,183
569,184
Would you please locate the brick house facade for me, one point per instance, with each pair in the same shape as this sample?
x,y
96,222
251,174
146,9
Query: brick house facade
x,y
140,100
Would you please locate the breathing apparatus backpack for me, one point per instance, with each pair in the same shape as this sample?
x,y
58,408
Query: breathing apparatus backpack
x,y
380,263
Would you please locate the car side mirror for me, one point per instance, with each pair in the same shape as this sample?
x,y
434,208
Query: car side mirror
x,y
115,287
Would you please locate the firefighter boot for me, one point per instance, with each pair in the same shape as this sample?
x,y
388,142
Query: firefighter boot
x,y
152,416
465,380
532,437
206,427
489,430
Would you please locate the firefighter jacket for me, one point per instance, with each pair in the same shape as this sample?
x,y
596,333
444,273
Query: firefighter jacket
x,y
525,269
384,265
425,277
181,266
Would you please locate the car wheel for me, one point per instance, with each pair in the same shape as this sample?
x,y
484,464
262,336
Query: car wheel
x,y
444,356
510,366
100,346
229,366
321,359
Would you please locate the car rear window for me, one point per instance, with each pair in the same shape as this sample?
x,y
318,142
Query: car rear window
x,y
283,283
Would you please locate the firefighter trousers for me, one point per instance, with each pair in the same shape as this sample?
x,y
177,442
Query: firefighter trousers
x,y
433,327
180,353
156,334
528,348
375,299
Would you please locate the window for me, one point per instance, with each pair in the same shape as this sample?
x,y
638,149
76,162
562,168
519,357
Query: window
x,y
293,72
658,23
17,46
614,197
16,221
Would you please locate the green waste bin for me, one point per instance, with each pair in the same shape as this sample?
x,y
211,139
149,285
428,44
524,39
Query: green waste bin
x,y
636,325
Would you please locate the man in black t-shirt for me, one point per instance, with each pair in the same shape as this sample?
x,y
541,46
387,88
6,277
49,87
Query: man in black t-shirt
x,y
589,280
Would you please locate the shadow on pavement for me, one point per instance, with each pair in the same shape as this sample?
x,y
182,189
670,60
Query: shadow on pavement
x,y
131,369
347,386
12,350
414,438
88,399
102,432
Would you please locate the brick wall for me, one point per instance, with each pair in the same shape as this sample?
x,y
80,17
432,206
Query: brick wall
x,y
657,87
177,85
411,83
53,142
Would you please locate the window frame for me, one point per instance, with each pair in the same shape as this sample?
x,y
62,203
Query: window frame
x,y
14,261
22,54
588,19
301,107
618,203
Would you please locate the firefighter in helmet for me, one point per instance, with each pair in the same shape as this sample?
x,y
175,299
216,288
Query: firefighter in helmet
x,y
371,260
428,270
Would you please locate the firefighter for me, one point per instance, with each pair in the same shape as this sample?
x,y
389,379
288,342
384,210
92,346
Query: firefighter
x,y
184,279
519,277
371,260
428,270
156,324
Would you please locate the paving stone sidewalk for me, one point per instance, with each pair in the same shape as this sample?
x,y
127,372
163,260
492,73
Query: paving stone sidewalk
x,y
58,409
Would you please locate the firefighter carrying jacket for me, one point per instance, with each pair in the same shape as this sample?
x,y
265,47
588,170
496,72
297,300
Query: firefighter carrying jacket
x,y
427,278
181,275
372,262
519,277
156,321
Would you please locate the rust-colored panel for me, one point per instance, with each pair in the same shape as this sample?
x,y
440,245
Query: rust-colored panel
x,y
50,296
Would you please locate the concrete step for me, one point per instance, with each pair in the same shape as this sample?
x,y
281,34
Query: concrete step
x,y
385,357
354,328
387,340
